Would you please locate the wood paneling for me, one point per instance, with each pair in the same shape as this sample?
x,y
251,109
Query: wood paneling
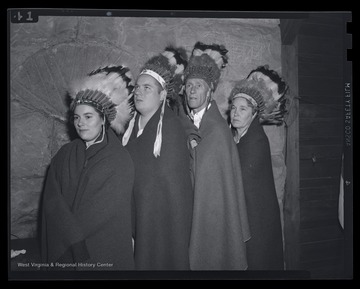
x,y
319,223
321,251
320,59
320,111
320,169
320,151
319,193
320,87
310,235
322,140
327,70
321,92
292,189
320,127
336,101
318,210
320,45
320,182
289,30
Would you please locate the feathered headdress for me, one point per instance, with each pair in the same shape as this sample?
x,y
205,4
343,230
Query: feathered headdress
x,y
275,104
178,59
109,90
167,68
253,90
206,62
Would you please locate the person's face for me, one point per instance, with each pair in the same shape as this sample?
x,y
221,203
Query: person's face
x,y
87,122
241,113
148,94
197,93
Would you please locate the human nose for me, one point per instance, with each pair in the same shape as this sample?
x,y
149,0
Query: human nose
x,y
79,122
137,90
190,89
234,111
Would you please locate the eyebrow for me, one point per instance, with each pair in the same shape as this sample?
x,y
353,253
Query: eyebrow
x,y
147,82
86,113
194,82
241,105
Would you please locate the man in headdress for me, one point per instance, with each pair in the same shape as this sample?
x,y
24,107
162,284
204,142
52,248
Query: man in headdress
x,y
163,197
219,227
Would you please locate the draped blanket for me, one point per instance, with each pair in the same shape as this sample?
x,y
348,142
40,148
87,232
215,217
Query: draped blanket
x,y
86,214
163,196
265,248
220,226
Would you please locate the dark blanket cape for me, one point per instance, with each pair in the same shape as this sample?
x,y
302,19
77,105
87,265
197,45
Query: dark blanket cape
x,y
265,248
86,217
163,196
220,227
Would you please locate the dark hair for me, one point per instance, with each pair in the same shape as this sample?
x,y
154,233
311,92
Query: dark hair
x,y
101,114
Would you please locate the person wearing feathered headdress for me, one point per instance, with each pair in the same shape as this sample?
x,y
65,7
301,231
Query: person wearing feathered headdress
x,y
275,102
249,99
162,194
86,216
219,227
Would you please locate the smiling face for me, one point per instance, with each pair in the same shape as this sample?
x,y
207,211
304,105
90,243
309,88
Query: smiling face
x,y
88,122
197,93
241,113
148,95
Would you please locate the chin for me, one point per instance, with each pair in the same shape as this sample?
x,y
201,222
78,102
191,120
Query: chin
x,y
236,124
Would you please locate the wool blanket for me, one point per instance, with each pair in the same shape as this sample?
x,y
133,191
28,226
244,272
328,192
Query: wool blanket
x,y
86,209
163,197
220,226
265,248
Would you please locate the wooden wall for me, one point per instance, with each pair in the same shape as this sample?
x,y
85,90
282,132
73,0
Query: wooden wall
x,y
320,59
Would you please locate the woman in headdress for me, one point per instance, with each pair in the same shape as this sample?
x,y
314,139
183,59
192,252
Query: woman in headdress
x,y
163,197
253,102
86,218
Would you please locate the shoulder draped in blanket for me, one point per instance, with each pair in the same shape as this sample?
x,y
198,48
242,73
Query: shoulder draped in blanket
x,y
265,248
220,227
163,196
87,206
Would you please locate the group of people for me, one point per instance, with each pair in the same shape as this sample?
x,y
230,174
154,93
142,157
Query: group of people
x,y
158,179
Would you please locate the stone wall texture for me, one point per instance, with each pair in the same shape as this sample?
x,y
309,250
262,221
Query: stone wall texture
x,y
46,56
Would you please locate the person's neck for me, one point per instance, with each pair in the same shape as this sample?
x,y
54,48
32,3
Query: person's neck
x,y
89,143
196,110
239,132
145,117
